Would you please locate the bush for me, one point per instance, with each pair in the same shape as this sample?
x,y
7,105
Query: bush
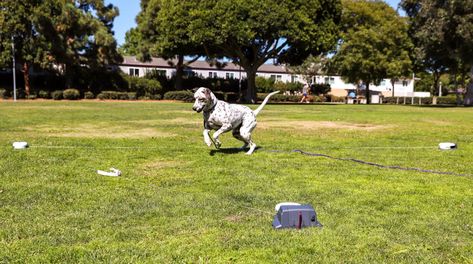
x,y
143,87
450,99
317,98
89,95
320,88
31,97
44,94
279,98
3,93
131,96
71,94
112,95
186,96
108,95
57,95
293,87
336,99
264,85
267,85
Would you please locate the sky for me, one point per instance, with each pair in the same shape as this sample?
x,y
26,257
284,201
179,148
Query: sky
x,y
130,8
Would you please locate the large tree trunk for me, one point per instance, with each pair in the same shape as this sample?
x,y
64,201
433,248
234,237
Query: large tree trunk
x,y
436,76
367,93
26,77
392,84
179,85
68,76
250,96
468,99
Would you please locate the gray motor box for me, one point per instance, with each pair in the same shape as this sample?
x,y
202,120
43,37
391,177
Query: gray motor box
x,y
295,216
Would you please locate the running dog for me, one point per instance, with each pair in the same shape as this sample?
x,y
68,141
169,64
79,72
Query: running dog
x,y
223,117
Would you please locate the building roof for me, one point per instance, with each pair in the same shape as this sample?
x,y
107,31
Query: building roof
x,y
198,65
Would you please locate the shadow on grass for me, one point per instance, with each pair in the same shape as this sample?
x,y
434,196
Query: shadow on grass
x,y
230,150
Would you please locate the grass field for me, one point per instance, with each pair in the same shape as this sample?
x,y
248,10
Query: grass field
x,y
180,201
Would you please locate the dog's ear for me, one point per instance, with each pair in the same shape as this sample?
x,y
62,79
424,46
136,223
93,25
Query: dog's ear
x,y
207,93
195,89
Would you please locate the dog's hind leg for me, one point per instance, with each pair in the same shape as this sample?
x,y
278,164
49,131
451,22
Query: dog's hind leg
x,y
236,134
245,133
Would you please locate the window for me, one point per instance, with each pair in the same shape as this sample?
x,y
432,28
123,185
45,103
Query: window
x,y
329,80
189,73
212,74
404,83
276,78
156,72
230,75
134,72
294,78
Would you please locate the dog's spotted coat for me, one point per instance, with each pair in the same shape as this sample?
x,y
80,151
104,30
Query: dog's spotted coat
x,y
223,117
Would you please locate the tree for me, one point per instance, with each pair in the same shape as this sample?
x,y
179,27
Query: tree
x,y
163,30
443,32
18,27
76,35
311,67
374,44
131,46
79,33
250,32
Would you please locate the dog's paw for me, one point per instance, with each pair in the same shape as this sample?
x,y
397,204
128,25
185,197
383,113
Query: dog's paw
x,y
218,144
208,142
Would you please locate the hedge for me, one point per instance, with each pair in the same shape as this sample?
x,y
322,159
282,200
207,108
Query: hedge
x,y
57,95
89,95
112,95
186,96
71,94
44,94
292,98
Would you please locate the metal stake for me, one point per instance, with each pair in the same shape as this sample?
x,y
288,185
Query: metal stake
x,y
14,68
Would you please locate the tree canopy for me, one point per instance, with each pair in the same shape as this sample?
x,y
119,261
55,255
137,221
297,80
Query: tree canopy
x,y
374,44
252,32
131,46
163,32
69,34
17,20
442,31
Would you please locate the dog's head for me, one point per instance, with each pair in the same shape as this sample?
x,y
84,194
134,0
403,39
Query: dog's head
x,y
204,100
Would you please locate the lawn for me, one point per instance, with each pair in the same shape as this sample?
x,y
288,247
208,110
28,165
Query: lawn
x,y
181,201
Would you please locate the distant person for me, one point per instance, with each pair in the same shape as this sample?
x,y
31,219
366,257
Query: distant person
x,y
305,93
351,94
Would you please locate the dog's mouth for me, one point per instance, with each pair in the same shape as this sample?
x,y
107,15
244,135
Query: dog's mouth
x,y
198,110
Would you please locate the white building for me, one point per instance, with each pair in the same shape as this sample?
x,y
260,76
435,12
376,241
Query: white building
x,y
202,69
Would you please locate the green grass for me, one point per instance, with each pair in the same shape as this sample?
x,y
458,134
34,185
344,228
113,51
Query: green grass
x,y
180,201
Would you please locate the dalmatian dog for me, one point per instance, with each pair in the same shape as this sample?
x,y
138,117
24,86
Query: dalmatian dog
x,y
223,117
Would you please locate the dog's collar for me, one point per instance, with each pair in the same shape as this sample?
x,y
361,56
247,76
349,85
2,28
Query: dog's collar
x,y
211,108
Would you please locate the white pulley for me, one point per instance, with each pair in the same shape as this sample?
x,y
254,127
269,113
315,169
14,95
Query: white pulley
x,y
447,146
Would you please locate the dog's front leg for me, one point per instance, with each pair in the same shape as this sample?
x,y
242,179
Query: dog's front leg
x,y
223,129
207,139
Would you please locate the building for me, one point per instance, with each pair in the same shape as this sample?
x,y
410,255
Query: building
x,y
133,67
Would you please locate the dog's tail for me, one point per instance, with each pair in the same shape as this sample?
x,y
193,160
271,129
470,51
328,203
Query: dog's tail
x,y
256,112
